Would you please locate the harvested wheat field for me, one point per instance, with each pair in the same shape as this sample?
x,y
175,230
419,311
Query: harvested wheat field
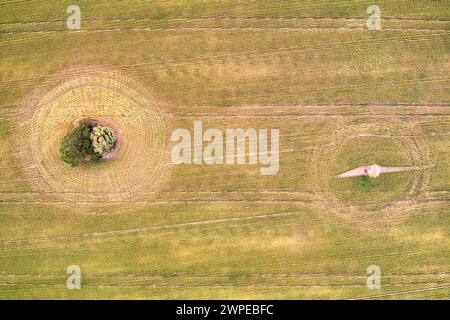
x,y
228,135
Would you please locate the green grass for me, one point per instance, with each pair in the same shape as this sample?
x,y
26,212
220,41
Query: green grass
x,y
372,150
175,241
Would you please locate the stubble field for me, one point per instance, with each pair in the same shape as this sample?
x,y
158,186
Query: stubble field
x,y
141,227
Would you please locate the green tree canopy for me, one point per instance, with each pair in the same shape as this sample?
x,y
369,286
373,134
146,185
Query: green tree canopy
x,y
103,139
86,142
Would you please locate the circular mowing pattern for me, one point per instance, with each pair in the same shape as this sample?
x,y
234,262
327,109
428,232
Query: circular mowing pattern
x,y
115,101
367,144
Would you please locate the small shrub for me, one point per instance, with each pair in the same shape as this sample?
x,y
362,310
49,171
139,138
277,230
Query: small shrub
x,y
103,140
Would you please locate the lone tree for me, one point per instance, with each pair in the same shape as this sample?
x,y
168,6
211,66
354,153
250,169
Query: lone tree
x,y
103,139
87,142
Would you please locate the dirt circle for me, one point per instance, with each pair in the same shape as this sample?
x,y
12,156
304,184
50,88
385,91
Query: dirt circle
x,y
361,145
113,100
